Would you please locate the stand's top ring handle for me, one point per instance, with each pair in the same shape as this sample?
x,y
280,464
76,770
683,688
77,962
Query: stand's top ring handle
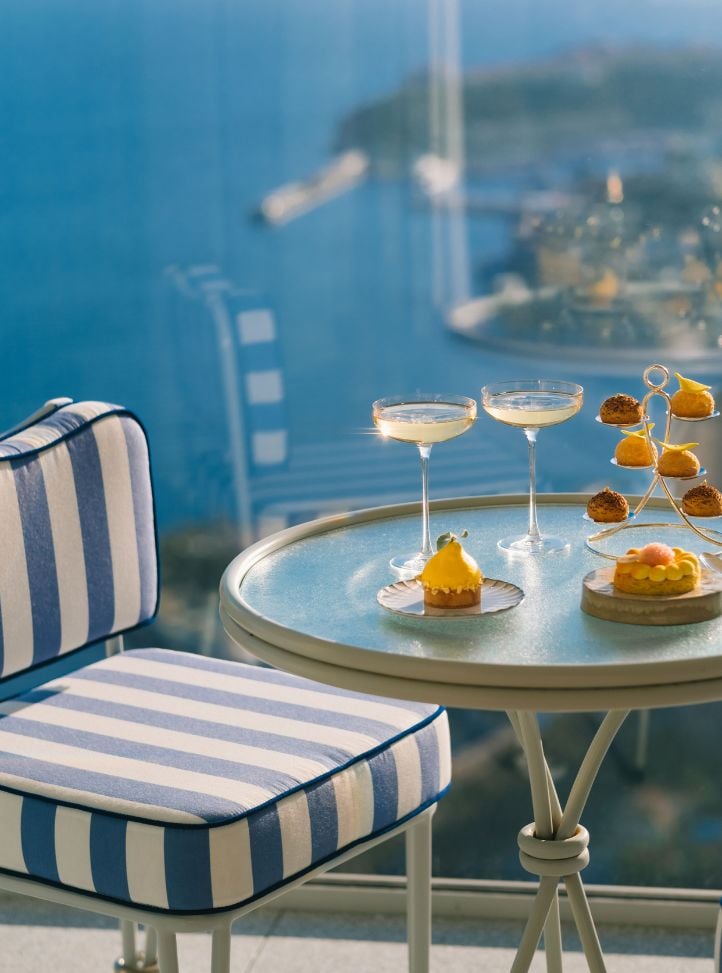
x,y
649,372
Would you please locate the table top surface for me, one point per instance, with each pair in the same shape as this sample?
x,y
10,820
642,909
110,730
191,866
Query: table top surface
x,y
310,592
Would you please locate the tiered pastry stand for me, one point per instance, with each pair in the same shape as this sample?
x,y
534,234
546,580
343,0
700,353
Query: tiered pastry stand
x,y
656,379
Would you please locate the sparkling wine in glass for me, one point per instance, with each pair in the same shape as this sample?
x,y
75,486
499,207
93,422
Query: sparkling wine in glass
x,y
422,419
532,405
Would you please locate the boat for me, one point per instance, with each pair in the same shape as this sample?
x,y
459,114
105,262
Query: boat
x,y
291,200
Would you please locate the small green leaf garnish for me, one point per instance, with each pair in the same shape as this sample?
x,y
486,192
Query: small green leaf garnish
x,y
443,539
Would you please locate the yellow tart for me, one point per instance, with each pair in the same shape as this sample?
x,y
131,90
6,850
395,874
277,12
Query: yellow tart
x,y
452,578
657,569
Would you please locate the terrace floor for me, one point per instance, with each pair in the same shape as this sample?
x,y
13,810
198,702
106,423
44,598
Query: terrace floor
x,y
35,936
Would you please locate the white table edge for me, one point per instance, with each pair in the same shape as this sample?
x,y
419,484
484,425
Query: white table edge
x,y
665,683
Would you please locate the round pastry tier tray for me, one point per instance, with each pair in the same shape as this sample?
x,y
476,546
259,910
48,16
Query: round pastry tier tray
x,y
601,599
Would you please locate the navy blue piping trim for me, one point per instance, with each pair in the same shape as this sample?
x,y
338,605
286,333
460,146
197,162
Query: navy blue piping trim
x,y
244,902
208,825
113,411
53,660
32,420
120,411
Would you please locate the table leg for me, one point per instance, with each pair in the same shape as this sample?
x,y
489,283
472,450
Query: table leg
x,y
554,845
553,937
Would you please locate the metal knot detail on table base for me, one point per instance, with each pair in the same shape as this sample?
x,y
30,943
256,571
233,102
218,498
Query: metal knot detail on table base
x,y
551,857
555,846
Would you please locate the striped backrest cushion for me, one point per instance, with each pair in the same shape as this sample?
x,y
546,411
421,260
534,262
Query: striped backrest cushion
x,y
78,557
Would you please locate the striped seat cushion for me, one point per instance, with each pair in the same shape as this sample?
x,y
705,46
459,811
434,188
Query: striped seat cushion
x,y
188,784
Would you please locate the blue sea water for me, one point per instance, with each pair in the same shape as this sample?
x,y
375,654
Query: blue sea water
x,y
140,134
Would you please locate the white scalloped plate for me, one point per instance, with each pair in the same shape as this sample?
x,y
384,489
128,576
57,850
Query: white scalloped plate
x,y
407,598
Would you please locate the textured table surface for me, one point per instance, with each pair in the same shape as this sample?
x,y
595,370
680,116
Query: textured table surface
x,y
316,595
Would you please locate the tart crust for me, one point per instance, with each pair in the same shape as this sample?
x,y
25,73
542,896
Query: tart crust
x,y
438,598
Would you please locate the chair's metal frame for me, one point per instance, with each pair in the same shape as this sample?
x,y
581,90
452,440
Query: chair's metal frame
x,y
160,952
162,928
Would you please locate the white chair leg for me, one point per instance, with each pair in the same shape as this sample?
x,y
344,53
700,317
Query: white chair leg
x,y
133,961
718,942
128,958
418,894
221,950
150,959
167,952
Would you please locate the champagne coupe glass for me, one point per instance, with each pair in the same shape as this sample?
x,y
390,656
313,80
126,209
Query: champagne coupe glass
x,y
532,405
422,419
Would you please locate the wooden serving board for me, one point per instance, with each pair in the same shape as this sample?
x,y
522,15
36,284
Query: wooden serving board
x,y
601,599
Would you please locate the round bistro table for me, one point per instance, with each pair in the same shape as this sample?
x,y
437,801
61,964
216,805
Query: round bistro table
x,y
304,600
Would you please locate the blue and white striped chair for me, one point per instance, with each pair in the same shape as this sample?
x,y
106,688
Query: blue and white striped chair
x,y
166,788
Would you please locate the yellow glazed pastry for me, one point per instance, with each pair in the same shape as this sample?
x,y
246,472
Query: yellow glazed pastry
x,y
634,450
702,501
608,507
621,410
452,578
678,460
692,400
657,570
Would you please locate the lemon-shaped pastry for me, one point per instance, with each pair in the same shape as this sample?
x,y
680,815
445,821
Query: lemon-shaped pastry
x,y
657,569
678,460
692,400
451,578
634,450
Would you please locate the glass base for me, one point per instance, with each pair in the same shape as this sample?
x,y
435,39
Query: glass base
x,y
526,546
407,566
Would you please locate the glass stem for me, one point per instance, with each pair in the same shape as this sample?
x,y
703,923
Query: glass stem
x,y
533,534
424,453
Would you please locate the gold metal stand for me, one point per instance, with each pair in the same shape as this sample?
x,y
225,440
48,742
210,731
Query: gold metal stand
x,y
656,388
